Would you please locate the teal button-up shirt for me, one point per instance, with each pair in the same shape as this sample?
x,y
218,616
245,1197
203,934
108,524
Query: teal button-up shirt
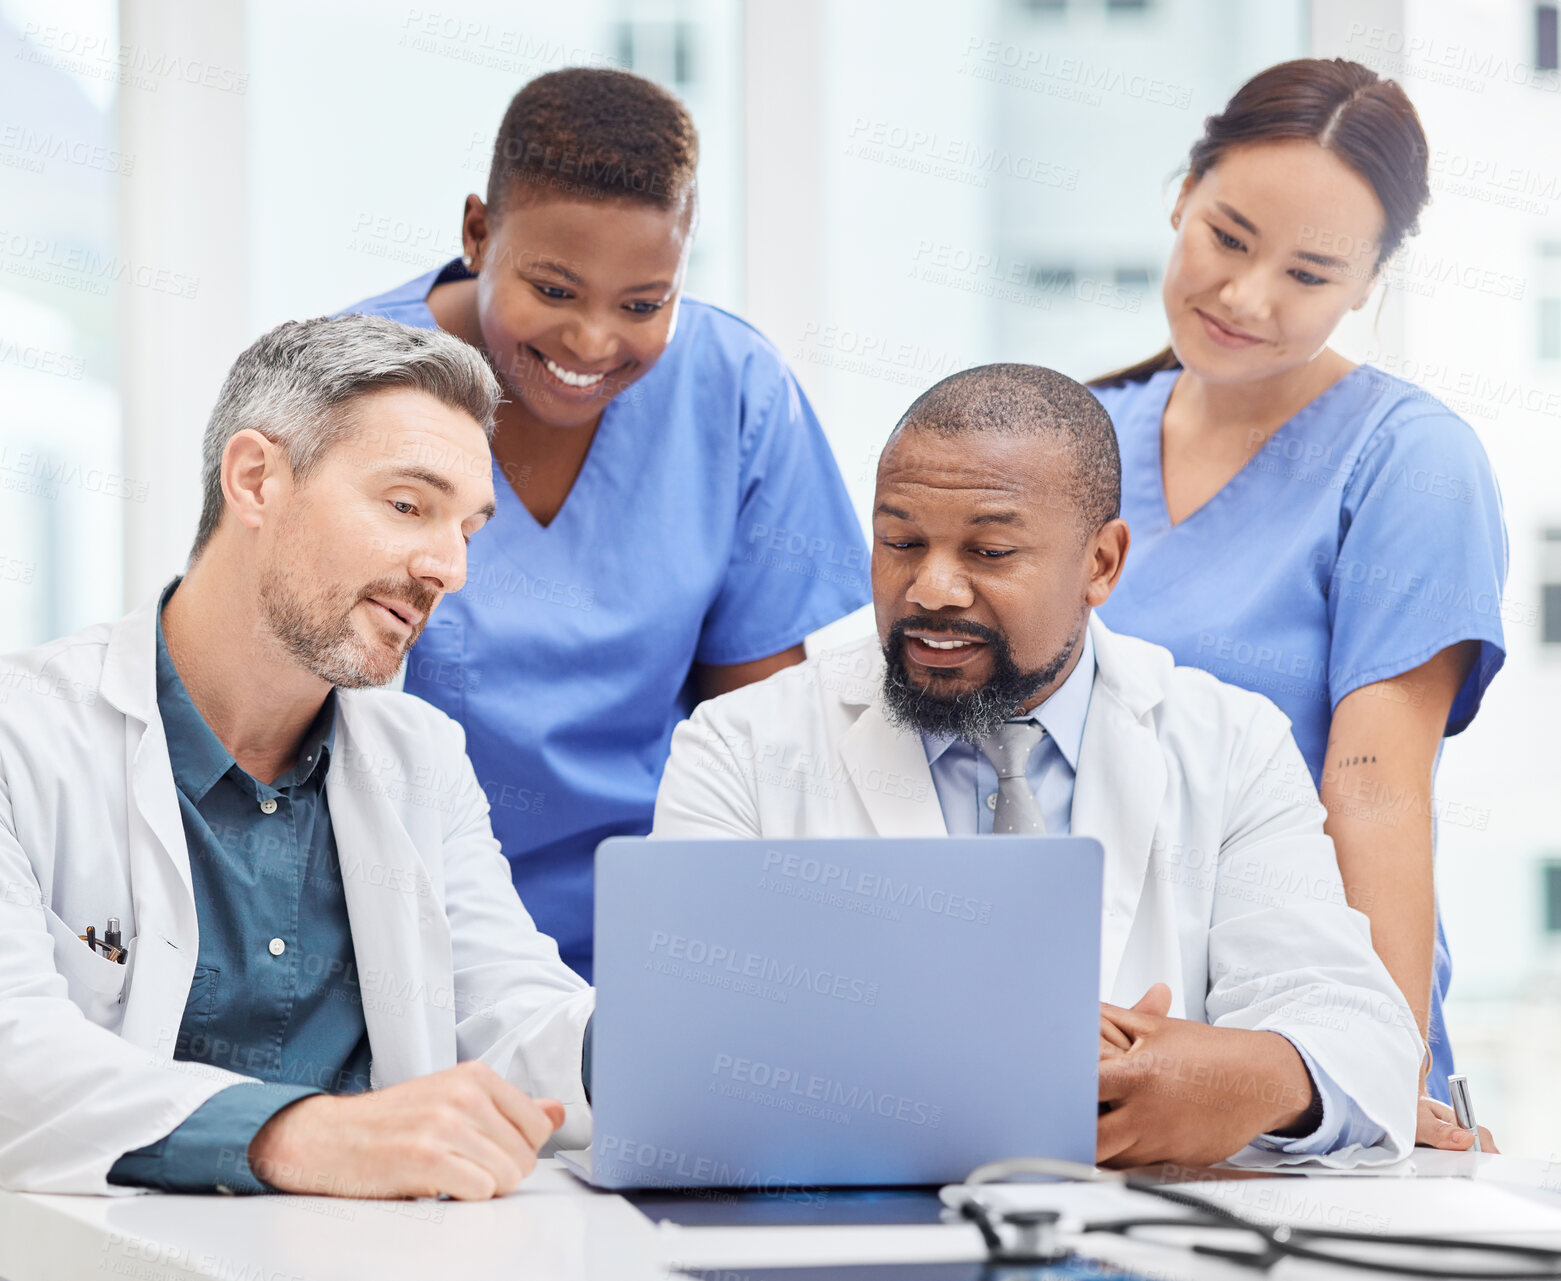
x,y
275,994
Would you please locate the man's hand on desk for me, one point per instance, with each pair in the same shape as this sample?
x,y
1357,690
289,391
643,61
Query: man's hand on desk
x,y
1187,1092
464,1132
1435,1127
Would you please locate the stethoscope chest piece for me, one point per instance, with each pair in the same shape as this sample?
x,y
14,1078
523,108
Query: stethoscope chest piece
x,y
1032,1236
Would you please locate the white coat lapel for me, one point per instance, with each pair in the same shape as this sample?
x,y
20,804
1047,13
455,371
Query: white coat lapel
x,y
400,934
166,859
1119,788
129,684
167,937
888,768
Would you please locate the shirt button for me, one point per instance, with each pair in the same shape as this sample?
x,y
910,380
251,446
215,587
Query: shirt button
x,y
268,807
991,801
276,947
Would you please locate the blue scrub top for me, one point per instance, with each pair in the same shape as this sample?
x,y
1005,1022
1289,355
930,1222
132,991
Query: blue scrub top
x,y
709,524
1365,537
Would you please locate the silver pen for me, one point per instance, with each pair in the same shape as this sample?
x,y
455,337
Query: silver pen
x,y
1463,1106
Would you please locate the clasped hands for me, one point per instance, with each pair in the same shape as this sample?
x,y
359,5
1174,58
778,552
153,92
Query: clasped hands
x,y
1179,1090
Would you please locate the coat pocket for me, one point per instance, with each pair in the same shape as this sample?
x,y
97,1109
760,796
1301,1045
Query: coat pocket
x,y
96,984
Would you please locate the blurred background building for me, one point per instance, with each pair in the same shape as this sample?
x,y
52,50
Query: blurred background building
x,y
891,191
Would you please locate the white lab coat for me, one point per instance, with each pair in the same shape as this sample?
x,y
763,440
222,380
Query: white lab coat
x,y
450,965
1219,879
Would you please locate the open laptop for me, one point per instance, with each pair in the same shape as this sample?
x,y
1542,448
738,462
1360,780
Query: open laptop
x,y
774,1015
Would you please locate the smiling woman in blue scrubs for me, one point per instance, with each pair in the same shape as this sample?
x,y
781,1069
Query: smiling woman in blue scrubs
x,y
671,523
1312,529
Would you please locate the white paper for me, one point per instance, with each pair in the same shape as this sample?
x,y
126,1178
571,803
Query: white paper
x,y
1434,1207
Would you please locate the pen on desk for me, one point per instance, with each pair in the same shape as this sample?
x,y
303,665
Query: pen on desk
x,y
1463,1106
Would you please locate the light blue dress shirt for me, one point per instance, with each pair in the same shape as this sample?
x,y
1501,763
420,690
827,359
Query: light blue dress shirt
x,y
966,785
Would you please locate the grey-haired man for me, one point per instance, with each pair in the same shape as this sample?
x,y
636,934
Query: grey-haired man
x,y
308,969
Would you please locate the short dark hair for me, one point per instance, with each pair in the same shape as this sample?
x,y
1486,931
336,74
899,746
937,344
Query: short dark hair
x,y
594,133
1030,400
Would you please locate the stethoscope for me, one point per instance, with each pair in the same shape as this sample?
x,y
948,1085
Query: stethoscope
x,y
1029,1237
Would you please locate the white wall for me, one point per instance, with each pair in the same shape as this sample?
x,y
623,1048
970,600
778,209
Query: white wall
x,y
182,225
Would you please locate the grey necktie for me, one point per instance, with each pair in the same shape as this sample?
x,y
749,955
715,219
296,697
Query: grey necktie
x,y
1009,749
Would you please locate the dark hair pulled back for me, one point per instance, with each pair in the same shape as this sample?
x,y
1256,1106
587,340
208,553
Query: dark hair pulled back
x,y
1368,122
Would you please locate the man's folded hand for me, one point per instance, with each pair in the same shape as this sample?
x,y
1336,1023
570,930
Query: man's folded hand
x,y
1115,1039
1187,1092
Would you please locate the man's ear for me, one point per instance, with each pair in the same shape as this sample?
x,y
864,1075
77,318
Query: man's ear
x,y
1107,554
248,463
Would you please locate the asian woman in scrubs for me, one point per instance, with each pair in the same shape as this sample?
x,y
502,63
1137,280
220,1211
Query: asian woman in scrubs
x,y
671,523
1312,529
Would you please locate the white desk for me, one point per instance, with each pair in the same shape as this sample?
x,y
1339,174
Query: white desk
x,y
554,1229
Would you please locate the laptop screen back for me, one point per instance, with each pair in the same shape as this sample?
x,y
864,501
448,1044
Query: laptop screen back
x,y
775,1014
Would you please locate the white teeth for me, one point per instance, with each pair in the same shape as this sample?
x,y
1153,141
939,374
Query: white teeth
x,y
948,644
572,379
